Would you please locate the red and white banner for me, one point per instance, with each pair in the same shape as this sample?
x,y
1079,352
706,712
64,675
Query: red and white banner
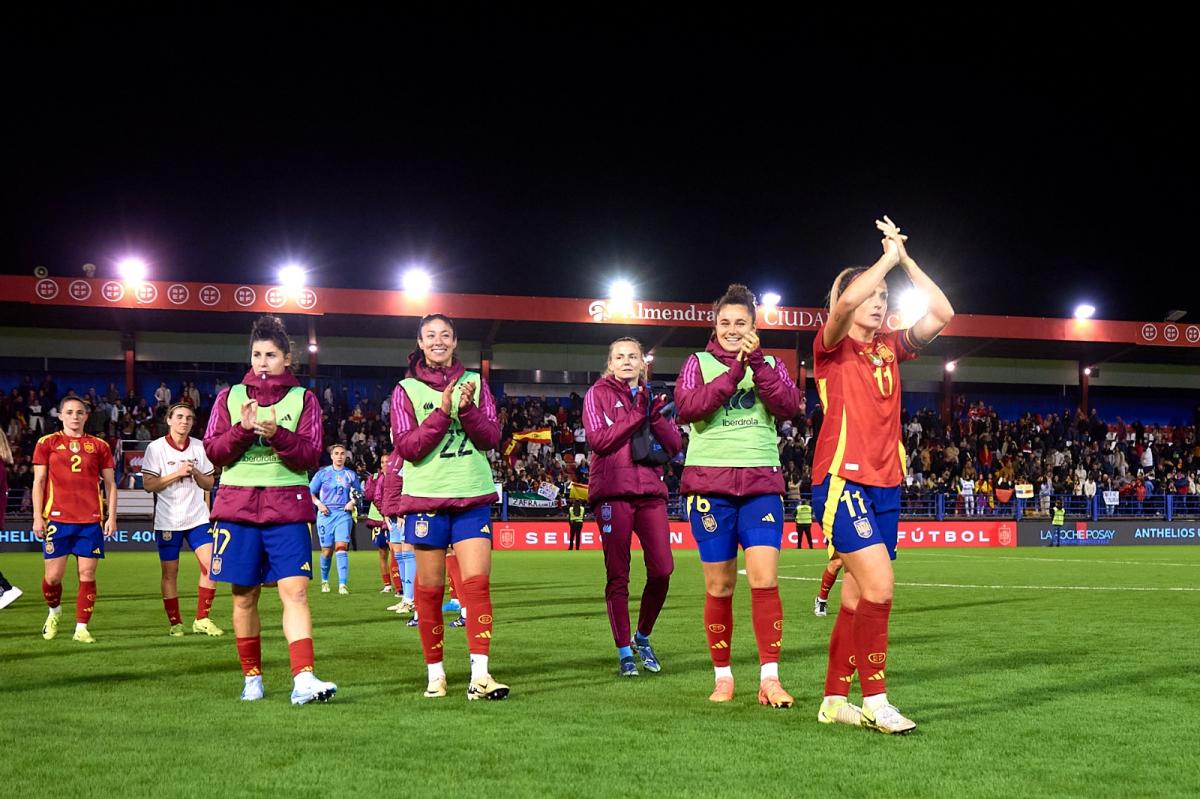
x,y
526,535
194,296
132,462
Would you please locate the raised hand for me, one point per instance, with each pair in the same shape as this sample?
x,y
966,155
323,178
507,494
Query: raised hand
x,y
466,396
749,344
267,427
447,398
249,415
891,233
660,402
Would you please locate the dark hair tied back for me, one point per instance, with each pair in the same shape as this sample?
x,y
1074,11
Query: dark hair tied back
x,y
270,328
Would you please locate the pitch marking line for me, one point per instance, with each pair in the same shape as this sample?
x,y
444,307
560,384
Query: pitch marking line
x,y
1013,587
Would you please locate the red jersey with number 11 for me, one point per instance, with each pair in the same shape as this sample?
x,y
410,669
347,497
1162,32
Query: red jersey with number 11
x,y
859,385
74,466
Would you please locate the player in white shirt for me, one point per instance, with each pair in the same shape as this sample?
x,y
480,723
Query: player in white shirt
x,y
176,470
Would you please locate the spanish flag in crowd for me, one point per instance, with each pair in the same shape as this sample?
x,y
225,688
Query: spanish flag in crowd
x,y
579,491
540,435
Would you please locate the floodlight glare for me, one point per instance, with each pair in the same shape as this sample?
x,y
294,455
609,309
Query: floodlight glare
x,y
417,281
132,269
292,277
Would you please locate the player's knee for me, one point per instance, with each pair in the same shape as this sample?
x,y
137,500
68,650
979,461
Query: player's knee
x,y
719,587
878,591
87,575
616,586
660,573
294,594
342,547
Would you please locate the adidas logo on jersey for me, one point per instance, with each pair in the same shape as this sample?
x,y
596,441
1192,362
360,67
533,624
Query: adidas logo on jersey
x,y
484,529
287,418
60,447
719,645
485,634
770,517
95,551
306,568
876,676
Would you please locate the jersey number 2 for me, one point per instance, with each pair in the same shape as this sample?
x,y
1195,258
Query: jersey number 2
x,y
76,464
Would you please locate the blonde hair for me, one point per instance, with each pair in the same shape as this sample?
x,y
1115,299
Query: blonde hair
x,y
5,450
625,340
842,282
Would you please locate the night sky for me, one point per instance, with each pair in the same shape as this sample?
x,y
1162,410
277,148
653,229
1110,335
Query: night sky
x,y
1033,161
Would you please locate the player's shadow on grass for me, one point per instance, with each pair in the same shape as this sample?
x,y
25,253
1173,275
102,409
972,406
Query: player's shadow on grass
x,y
526,588
1065,662
1039,693
596,601
911,609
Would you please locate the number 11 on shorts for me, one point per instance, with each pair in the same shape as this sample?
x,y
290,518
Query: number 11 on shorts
x,y
862,508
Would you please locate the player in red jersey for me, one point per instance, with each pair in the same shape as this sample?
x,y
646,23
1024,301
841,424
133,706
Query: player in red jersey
x,y
858,467
67,469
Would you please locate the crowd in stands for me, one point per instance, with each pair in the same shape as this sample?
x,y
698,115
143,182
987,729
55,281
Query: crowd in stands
x,y
976,461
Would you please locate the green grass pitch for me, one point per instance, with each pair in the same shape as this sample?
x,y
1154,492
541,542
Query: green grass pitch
x,y
1020,685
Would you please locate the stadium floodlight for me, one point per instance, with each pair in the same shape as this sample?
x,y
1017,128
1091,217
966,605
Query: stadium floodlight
x,y
951,366
312,348
649,357
1084,311
292,277
417,281
913,305
620,291
132,269
1087,371
771,299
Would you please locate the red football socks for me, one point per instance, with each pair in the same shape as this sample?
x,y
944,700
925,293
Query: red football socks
x,y
301,654
766,613
871,644
52,593
429,620
204,602
85,603
455,577
250,653
718,624
477,599
828,578
385,574
172,608
839,673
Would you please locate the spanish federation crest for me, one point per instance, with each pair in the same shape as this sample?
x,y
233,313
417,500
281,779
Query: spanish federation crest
x,y
863,527
710,522
885,353
89,447
167,535
216,564
49,547
421,528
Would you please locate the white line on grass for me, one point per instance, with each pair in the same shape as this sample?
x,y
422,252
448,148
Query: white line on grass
x,y
1016,587
1097,562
